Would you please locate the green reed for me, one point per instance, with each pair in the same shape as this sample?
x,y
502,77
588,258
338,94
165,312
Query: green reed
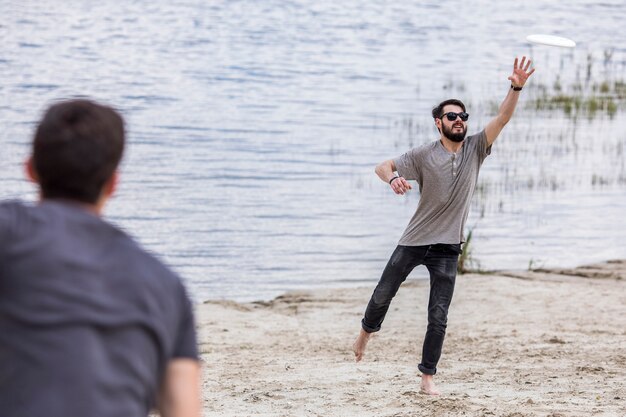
x,y
605,97
468,263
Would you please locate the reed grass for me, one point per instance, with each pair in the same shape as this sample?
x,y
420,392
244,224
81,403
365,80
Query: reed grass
x,y
466,262
590,100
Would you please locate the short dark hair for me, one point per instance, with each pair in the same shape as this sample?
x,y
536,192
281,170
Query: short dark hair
x,y
438,110
77,147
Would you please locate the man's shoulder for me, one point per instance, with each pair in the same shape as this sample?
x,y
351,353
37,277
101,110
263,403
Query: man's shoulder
x,y
10,213
11,203
476,137
8,207
477,145
429,146
424,149
145,262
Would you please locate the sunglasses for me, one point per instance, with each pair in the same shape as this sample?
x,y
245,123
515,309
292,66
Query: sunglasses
x,y
452,116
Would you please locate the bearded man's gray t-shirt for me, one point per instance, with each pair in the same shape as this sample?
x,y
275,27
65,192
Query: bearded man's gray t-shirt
x,y
446,182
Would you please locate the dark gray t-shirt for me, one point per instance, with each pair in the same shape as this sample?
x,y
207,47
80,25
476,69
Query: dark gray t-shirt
x,y
446,182
88,319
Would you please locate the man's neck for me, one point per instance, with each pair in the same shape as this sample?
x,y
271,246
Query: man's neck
x,y
451,146
95,209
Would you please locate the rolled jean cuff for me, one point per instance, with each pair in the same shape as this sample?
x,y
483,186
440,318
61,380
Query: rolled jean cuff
x,y
368,328
427,371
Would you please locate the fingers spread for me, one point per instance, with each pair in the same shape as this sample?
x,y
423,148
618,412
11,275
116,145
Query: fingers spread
x,y
527,65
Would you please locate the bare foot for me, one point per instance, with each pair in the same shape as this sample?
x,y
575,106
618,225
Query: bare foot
x,y
359,344
428,386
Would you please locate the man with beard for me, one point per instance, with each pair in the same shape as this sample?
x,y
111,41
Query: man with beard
x,y
446,171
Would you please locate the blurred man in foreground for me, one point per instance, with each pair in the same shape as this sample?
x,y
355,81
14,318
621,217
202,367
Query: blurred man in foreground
x,y
90,323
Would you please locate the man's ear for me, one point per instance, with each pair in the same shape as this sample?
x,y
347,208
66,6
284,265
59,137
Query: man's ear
x,y
31,173
107,191
438,124
111,185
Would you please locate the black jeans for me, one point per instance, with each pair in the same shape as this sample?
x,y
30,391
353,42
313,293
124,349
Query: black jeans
x,y
441,261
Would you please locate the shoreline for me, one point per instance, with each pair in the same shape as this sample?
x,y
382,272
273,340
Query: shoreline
x,y
549,342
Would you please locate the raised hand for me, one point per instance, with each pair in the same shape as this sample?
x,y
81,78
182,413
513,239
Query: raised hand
x,y
520,72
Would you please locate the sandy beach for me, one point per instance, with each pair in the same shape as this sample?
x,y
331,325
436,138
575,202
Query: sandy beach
x,y
519,343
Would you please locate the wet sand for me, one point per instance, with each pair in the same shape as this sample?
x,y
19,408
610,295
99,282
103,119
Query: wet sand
x,y
519,343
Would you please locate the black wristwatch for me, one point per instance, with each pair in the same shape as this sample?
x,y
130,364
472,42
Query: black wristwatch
x,y
516,88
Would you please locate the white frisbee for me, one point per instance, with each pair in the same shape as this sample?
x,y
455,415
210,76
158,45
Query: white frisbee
x,y
551,40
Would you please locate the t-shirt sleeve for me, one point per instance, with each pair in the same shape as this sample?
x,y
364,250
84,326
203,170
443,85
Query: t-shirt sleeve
x,y
482,147
408,164
186,344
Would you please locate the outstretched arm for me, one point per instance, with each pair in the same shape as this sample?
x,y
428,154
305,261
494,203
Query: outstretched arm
x,y
386,172
518,79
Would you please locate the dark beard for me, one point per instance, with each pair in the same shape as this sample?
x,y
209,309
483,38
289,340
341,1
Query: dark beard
x,y
454,137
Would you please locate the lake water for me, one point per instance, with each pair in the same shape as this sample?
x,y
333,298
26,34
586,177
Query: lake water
x,y
255,126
